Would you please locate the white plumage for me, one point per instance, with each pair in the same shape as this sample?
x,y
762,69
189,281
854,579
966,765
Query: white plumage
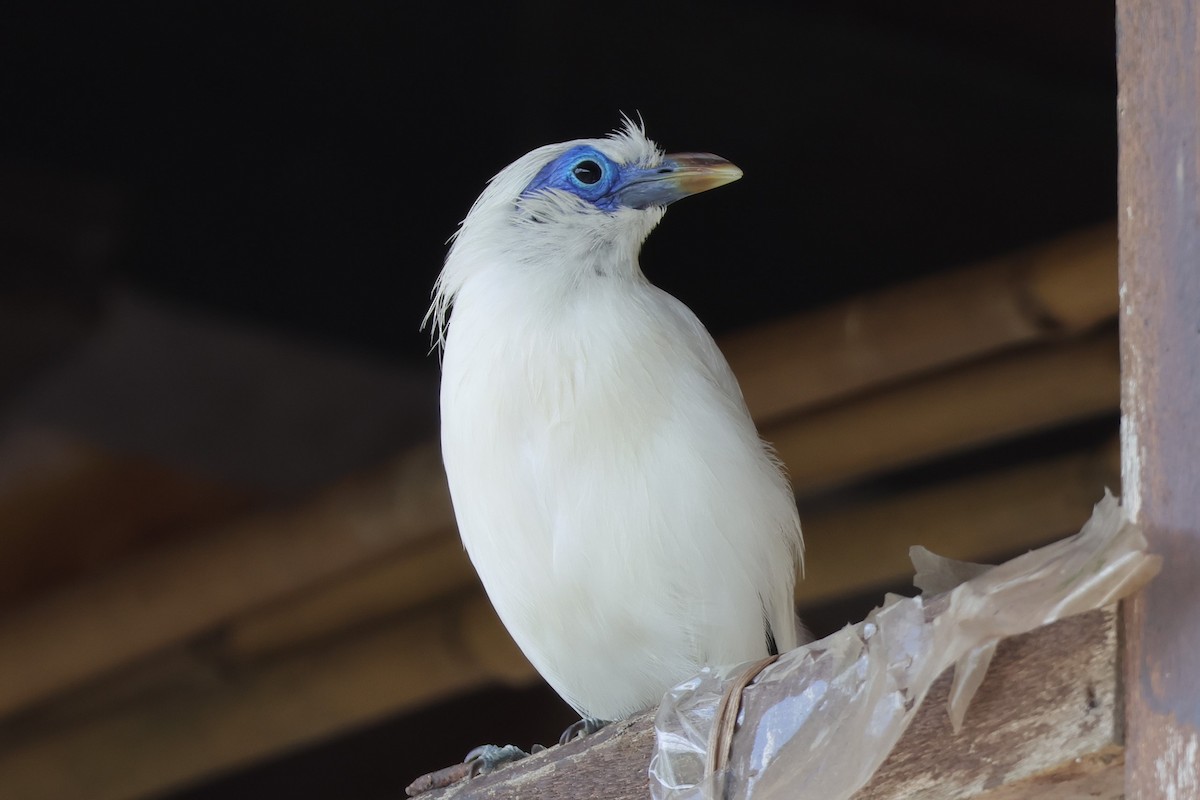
x,y
627,522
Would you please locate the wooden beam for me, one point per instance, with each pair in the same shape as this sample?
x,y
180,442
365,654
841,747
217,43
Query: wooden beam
x,y
805,361
983,402
172,594
976,518
1046,717
1158,59
70,509
235,716
250,408
433,568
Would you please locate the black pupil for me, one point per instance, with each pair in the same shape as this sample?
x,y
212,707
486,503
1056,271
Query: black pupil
x,y
587,172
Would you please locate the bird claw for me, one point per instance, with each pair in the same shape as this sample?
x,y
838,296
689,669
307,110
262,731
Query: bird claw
x,y
585,727
487,757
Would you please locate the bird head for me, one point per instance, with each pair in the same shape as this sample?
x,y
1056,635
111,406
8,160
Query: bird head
x,y
569,213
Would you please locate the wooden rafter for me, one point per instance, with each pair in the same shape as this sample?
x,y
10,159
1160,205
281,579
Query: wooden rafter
x,y
1045,723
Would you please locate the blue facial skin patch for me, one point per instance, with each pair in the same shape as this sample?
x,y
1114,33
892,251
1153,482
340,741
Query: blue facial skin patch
x,y
584,172
596,179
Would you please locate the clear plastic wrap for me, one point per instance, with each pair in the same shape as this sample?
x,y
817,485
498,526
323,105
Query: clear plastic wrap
x,y
827,715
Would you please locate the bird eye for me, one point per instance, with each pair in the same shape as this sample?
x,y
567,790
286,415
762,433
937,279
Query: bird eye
x,y
587,172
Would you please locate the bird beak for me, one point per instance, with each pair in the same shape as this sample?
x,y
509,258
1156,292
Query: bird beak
x,y
679,175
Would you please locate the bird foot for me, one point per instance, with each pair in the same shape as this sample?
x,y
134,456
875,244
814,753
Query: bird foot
x,y
487,757
585,727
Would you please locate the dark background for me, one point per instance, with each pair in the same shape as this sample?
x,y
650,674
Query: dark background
x,y
298,167
301,164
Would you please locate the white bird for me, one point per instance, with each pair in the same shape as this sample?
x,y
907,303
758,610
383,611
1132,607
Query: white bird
x,y
627,521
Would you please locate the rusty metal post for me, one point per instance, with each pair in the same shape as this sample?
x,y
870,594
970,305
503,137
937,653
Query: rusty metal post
x,y
1159,206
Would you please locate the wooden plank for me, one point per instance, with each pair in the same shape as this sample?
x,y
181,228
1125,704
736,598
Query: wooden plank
x,y
432,568
1158,48
1050,697
983,402
975,518
209,396
175,593
809,360
1048,714
237,716
70,509
1095,776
